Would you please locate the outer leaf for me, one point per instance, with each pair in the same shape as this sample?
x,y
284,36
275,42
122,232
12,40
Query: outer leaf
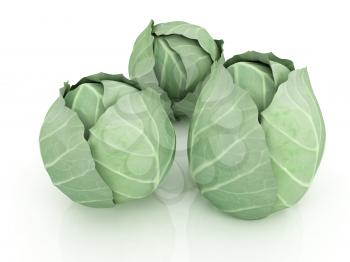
x,y
99,77
280,67
193,32
260,74
142,61
114,90
114,86
186,106
169,69
265,58
228,154
196,61
133,145
295,135
166,102
93,94
86,101
280,72
256,79
67,158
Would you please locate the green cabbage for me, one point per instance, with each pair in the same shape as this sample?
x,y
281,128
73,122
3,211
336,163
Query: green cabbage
x,y
177,56
257,135
104,141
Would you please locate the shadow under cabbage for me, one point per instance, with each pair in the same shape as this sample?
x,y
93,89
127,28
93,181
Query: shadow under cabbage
x,y
213,234
129,232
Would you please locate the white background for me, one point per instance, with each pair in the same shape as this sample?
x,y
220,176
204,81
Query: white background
x,y
43,43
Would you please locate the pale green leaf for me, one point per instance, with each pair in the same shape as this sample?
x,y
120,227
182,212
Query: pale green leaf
x,y
295,135
264,58
256,79
133,144
113,90
280,72
260,74
193,32
67,158
280,68
114,86
142,61
228,154
86,101
169,69
195,60
99,77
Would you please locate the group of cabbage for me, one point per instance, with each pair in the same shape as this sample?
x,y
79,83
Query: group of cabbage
x,y
256,134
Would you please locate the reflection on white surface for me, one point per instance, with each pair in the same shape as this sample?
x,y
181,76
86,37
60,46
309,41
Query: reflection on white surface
x,y
129,232
212,234
174,184
178,180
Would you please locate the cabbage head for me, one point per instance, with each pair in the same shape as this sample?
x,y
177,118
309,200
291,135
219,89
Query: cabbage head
x,y
257,135
177,56
104,141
